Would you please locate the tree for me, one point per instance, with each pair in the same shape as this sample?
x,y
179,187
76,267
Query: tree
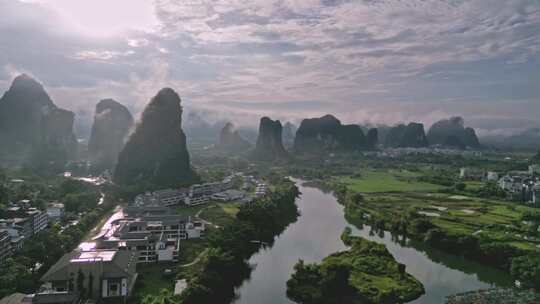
x,y
90,285
80,283
526,269
165,296
460,186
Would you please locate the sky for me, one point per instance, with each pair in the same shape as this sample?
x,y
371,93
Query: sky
x,y
365,61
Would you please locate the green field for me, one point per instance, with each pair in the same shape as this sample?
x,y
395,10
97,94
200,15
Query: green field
x,y
494,220
387,181
189,211
220,214
152,279
190,250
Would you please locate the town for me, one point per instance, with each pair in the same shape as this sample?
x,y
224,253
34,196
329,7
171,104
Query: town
x,y
146,231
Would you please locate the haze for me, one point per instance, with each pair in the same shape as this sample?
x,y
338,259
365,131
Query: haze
x,y
364,61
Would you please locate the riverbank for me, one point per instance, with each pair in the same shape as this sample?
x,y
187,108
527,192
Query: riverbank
x,y
469,227
224,265
315,235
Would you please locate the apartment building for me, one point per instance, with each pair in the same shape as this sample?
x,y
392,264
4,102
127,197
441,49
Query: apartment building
x,y
5,246
39,219
55,211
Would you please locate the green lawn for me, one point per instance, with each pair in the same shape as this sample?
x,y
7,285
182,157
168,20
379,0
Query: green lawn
x,y
389,181
220,214
189,211
190,250
461,216
151,279
474,185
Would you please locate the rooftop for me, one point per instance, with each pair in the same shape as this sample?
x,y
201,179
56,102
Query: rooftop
x,y
91,256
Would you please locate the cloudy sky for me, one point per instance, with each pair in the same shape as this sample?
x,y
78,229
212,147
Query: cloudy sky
x,y
378,61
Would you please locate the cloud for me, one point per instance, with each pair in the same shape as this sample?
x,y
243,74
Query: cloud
x,y
377,61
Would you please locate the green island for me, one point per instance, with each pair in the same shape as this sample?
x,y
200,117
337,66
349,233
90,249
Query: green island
x,y
366,273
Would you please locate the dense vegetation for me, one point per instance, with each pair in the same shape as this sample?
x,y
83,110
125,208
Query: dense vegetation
x,y
498,234
225,264
34,132
155,154
453,133
112,123
366,273
22,272
326,134
269,144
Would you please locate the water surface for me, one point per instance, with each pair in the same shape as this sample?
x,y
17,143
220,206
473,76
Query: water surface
x,y
316,234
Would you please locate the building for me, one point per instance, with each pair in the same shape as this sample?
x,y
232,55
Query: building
x,y
55,211
24,226
5,246
165,197
15,238
38,219
151,231
536,194
470,174
229,195
511,184
171,197
99,275
194,201
17,298
261,190
195,195
492,176
534,169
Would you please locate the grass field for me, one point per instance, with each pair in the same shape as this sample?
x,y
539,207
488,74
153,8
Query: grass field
x,y
189,211
495,220
190,250
220,214
151,279
388,181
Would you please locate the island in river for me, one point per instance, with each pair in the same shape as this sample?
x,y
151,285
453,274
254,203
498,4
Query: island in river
x,y
366,273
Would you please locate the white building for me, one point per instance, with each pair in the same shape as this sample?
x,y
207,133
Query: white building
x,y
511,184
536,194
534,169
55,211
492,176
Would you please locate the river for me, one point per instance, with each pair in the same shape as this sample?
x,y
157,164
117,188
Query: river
x,y
316,234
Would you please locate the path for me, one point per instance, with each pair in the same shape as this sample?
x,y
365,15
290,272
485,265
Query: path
x,y
197,215
197,259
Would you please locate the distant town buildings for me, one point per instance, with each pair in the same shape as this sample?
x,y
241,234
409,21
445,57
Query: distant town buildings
x,y
398,152
203,193
523,186
147,231
534,169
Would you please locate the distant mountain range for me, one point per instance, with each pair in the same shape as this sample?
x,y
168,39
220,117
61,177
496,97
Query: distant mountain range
x,y
526,140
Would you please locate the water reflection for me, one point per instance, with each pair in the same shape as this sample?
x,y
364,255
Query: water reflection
x,y
316,235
